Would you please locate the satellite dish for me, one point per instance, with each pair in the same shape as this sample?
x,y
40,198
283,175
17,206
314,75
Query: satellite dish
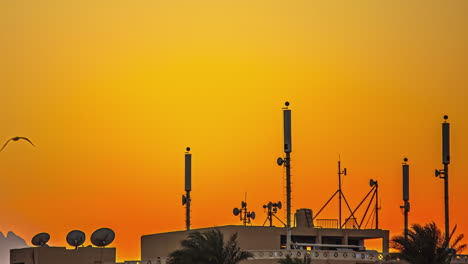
x,y
279,205
437,172
40,239
188,149
76,238
280,161
184,199
344,172
286,103
252,215
372,182
102,237
236,211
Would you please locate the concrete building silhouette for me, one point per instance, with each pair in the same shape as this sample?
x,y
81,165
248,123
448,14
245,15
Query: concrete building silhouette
x,y
61,255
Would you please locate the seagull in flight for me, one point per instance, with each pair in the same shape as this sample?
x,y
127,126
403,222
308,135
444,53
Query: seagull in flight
x,y
16,139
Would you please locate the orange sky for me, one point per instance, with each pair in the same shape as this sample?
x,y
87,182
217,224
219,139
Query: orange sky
x,y
112,92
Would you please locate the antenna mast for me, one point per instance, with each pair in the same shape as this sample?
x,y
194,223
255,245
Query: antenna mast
x,y
245,216
340,197
286,162
340,193
186,200
444,172
406,206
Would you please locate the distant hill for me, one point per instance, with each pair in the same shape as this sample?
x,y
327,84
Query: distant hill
x,y
6,243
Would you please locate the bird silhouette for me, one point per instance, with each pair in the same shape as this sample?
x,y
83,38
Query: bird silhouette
x,y
16,139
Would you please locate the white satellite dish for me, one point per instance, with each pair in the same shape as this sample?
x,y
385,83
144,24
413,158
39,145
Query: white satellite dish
x,y
102,237
40,239
76,238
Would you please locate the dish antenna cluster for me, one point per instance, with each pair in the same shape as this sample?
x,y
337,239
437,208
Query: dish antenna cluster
x,y
272,209
75,238
41,240
245,216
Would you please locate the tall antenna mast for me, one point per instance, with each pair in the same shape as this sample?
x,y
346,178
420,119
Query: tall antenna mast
x,y
444,172
340,193
406,207
341,197
186,200
287,163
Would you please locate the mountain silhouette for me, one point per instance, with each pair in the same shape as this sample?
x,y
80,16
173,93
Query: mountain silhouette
x,y
10,241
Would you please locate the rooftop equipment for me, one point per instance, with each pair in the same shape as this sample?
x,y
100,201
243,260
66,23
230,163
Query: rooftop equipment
x,y
76,238
102,237
41,240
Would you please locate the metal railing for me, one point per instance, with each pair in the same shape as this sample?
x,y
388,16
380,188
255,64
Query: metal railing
x,y
326,223
362,257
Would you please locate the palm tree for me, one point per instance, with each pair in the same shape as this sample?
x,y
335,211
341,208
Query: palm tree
x,y
289,260
426,245
208,248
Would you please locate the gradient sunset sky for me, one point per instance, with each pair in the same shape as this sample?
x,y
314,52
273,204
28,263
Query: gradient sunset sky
x,y
112,91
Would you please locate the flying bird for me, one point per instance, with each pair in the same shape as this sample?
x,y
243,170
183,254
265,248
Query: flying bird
x,y
16,139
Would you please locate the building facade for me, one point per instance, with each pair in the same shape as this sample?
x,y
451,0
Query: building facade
x,y
61,255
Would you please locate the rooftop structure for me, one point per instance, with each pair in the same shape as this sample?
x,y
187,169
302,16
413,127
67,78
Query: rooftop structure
x,y
268,244
61,255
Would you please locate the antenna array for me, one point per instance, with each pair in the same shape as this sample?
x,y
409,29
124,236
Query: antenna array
x,y
272,209
245,216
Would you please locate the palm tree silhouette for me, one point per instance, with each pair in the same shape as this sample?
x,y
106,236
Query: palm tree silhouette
x,y
427,245
208,248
